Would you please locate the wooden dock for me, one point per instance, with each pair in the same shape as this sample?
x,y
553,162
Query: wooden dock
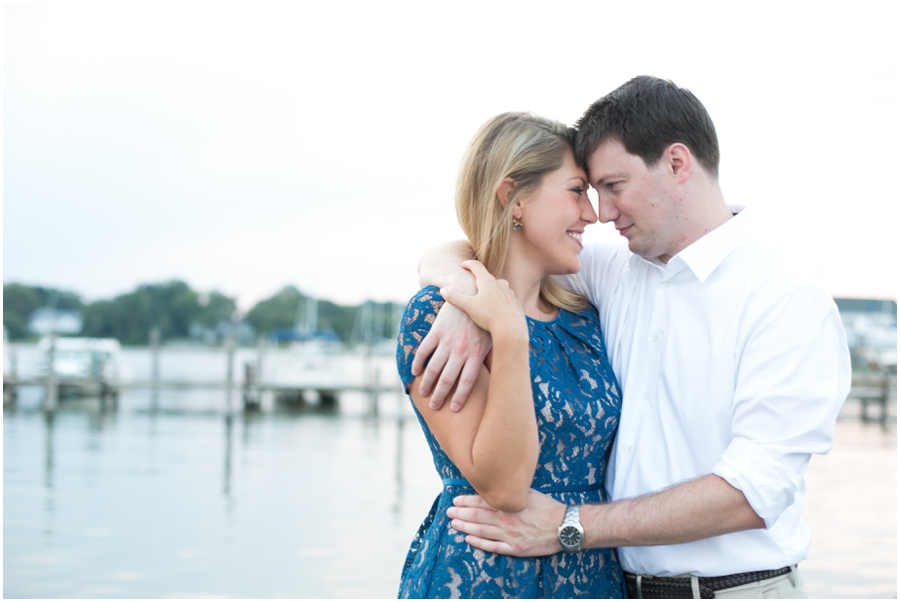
x,y
287,389
295,395
877,390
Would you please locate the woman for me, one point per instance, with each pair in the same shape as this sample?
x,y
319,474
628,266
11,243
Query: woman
x,y
545,414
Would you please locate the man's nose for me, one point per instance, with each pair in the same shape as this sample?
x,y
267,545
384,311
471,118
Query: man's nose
x,y
606,209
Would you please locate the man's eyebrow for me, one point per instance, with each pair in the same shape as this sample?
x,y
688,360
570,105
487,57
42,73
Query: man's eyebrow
x,y
609,176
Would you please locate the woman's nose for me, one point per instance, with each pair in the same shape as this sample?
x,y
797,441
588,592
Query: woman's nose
x,y
587,213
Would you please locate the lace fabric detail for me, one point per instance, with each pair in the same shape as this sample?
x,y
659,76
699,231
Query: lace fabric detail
x,y
577,406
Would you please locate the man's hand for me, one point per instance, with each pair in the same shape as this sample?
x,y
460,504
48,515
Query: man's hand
x,y
531,532
459,349
494,307
459,346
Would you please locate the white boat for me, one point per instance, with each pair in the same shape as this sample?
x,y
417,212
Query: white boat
x,y
308,364
82,366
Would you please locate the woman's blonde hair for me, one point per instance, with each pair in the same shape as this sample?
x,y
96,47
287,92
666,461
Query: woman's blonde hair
x,y
523,147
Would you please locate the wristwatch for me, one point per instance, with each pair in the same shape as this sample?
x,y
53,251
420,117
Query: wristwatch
x,y
571,533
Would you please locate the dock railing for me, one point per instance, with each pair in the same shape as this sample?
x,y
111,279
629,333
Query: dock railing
x,y
248,381
877,389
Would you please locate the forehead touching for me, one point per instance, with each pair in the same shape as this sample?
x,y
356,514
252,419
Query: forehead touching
x,y
610,160
570,170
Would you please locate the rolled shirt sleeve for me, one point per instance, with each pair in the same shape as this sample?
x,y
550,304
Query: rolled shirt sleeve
x,y
788,392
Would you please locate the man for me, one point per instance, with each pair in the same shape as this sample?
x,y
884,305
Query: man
x,y
733,372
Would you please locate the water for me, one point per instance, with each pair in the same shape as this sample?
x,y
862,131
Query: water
x,y
852,511
168,498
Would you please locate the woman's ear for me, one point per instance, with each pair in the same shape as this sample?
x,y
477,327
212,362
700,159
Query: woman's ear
x,y
505,190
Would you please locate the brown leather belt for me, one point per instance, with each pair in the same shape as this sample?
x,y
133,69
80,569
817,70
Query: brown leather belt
x,y
680,587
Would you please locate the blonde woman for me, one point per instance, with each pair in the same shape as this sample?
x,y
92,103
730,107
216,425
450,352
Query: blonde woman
x,y
544,414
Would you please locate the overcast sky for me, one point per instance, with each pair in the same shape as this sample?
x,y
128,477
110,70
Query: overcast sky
x,y
245,146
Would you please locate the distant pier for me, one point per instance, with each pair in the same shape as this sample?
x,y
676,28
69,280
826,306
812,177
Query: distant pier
x,y
327,395
291,385
874,392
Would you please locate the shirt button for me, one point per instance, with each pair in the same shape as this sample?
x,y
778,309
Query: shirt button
x,y
656,338
630,449
646,396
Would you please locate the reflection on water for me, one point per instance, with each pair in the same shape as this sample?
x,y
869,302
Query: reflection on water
x,y
852,511
173,499
142,504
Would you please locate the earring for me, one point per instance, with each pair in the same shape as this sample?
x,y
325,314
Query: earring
x,y
517,225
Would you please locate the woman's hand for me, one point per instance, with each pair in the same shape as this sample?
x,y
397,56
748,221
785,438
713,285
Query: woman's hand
x,y
494,307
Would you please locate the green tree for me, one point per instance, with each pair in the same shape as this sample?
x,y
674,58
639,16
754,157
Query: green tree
x,y
276,312
214,308
101,319
20,300
174,306
338,318
171,306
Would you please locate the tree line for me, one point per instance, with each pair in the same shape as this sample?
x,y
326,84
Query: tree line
x,y
180,312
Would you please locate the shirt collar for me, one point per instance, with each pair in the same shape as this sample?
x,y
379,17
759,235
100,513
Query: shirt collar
x,y
704,255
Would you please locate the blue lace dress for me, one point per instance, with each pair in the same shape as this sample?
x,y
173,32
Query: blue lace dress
x,y
577,404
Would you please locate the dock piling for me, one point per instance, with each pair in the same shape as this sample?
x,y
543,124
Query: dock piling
x,y
52,396
251,393
229,378
373,392
154,367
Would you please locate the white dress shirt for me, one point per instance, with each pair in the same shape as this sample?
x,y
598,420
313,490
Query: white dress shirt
x,y
728,365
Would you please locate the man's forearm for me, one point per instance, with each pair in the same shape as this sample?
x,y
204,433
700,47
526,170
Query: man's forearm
x,y
690,511
441,266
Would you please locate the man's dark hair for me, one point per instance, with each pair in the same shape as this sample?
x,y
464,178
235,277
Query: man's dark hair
x,y
647,114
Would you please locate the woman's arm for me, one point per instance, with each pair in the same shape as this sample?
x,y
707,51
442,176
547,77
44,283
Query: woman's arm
x,y
493,440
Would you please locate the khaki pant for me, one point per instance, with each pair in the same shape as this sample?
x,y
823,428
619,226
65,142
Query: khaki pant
x,y
785,586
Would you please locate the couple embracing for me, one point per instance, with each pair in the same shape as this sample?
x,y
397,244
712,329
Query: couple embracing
x,y
625,420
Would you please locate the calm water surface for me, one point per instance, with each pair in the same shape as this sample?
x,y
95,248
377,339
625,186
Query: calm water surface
x,y
166,497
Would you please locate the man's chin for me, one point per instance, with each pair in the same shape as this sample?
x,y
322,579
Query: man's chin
x,y
644,252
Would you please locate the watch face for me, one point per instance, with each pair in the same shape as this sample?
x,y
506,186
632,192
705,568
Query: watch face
x,y
570,537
